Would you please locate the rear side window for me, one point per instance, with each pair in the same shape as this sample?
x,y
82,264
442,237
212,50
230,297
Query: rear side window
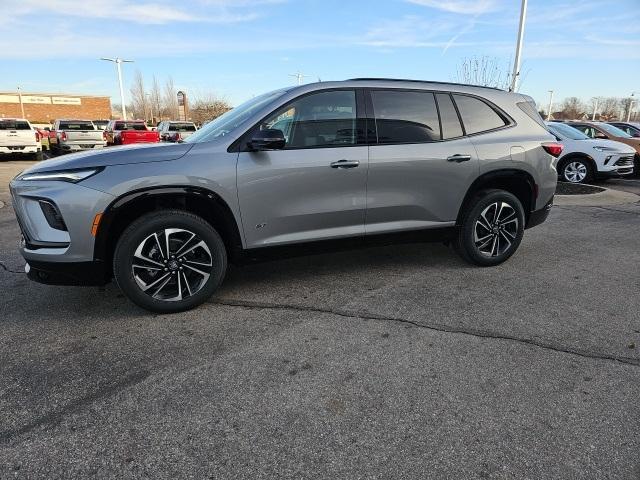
x,y
530,109
477,116
405,117
14,125
451,127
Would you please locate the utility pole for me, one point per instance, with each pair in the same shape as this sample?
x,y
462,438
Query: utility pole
x,y
298,76
628,111
516,63
595,108
550,105
21,104
118,61
148,95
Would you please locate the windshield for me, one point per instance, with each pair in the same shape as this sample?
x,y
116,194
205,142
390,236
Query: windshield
x,y
565,131
228,122
615,131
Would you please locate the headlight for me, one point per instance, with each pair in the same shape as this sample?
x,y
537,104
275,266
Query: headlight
x,y
604,149
73,176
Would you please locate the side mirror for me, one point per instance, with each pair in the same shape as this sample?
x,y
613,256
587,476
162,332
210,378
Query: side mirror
x,y
268,139
600,135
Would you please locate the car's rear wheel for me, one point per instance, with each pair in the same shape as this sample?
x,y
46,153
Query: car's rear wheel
x,y
576,170
491,229
169,261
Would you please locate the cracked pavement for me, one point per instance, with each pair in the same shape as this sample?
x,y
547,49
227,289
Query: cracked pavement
x,y
390,362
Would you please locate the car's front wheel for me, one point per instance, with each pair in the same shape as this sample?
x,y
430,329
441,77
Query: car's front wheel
x,y
491,229
576,170
169,261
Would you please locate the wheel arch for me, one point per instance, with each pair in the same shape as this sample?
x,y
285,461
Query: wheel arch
x,y
130,206
578,155
518,182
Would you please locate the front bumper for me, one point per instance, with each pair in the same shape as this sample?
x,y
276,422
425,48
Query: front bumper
x,y
72,273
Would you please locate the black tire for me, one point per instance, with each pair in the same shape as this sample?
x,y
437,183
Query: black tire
x,y
569,164
636,165
139,232
38,156
509,237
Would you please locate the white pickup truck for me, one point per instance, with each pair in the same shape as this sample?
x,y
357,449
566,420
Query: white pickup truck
x,y
75,135
17,136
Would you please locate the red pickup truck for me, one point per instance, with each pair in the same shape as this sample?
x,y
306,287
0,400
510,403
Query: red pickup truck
x,y
124,132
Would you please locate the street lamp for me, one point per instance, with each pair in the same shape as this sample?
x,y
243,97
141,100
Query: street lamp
x,y
516,63
298,76
118,61
550,105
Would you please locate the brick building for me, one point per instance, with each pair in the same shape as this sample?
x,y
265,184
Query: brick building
x,y
46,107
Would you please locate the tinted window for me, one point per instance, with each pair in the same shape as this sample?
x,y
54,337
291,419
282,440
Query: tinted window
x,y
405,117
325,119
448,117
476,115
586,129
182,127
76,126
566,131
14,125
129,126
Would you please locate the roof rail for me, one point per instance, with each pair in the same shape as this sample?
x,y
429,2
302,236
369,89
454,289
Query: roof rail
x,y
421,81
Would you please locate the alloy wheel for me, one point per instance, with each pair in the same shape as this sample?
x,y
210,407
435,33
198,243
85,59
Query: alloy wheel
x,y
495,229
575,172
172,264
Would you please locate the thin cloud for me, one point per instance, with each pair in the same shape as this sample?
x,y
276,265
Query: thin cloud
x,y
465,7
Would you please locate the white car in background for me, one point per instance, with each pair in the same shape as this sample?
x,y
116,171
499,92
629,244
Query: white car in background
x,y
17,136
584,159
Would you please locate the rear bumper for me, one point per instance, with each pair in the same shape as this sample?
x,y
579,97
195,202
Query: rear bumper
x,y
76,147
539,216
16,149
63,273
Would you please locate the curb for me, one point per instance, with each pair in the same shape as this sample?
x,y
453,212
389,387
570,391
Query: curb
x,y
608,197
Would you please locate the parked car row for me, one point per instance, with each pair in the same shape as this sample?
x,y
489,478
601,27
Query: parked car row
x,y
596,150
18,136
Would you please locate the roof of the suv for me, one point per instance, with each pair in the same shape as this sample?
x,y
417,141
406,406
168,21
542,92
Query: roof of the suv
x,y
419,81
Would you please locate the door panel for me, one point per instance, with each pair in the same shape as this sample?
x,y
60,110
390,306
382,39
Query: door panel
x,y
418,186
289,196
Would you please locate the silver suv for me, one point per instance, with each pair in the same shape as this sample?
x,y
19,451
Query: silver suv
x,y
325,161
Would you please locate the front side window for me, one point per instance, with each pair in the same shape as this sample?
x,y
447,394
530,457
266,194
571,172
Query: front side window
x,y
587,130
405,117
477,116
324,119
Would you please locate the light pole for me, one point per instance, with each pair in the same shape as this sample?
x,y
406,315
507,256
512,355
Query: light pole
x,y
118,61
516,63
21,104
595,108
630,106
298,76
550,105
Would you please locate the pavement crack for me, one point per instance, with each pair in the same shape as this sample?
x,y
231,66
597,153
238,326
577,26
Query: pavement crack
x,y
55,417
435,327
7,269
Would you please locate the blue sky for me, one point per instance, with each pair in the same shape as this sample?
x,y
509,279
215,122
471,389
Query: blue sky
x,y
240,48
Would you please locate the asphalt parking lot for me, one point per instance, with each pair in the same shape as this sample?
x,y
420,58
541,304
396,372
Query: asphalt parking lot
x,y
391,362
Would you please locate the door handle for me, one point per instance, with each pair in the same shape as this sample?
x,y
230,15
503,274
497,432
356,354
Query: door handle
x,y
345,164
459,158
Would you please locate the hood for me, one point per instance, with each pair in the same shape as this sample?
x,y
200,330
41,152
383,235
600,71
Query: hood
x,y
126,154
617,146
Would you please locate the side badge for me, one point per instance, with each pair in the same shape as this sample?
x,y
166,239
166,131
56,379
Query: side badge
x,y
261,225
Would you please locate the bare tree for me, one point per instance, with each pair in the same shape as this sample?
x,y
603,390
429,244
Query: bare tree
x,y
206,107
170,100
138,97
155,100
484,71
609,108
573,108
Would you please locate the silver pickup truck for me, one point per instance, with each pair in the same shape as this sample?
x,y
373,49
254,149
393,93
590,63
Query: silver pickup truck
x,y
75,135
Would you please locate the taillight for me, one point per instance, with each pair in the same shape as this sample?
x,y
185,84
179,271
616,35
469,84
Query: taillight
x,y
104,135
177,137
37,136
553,148
63,136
